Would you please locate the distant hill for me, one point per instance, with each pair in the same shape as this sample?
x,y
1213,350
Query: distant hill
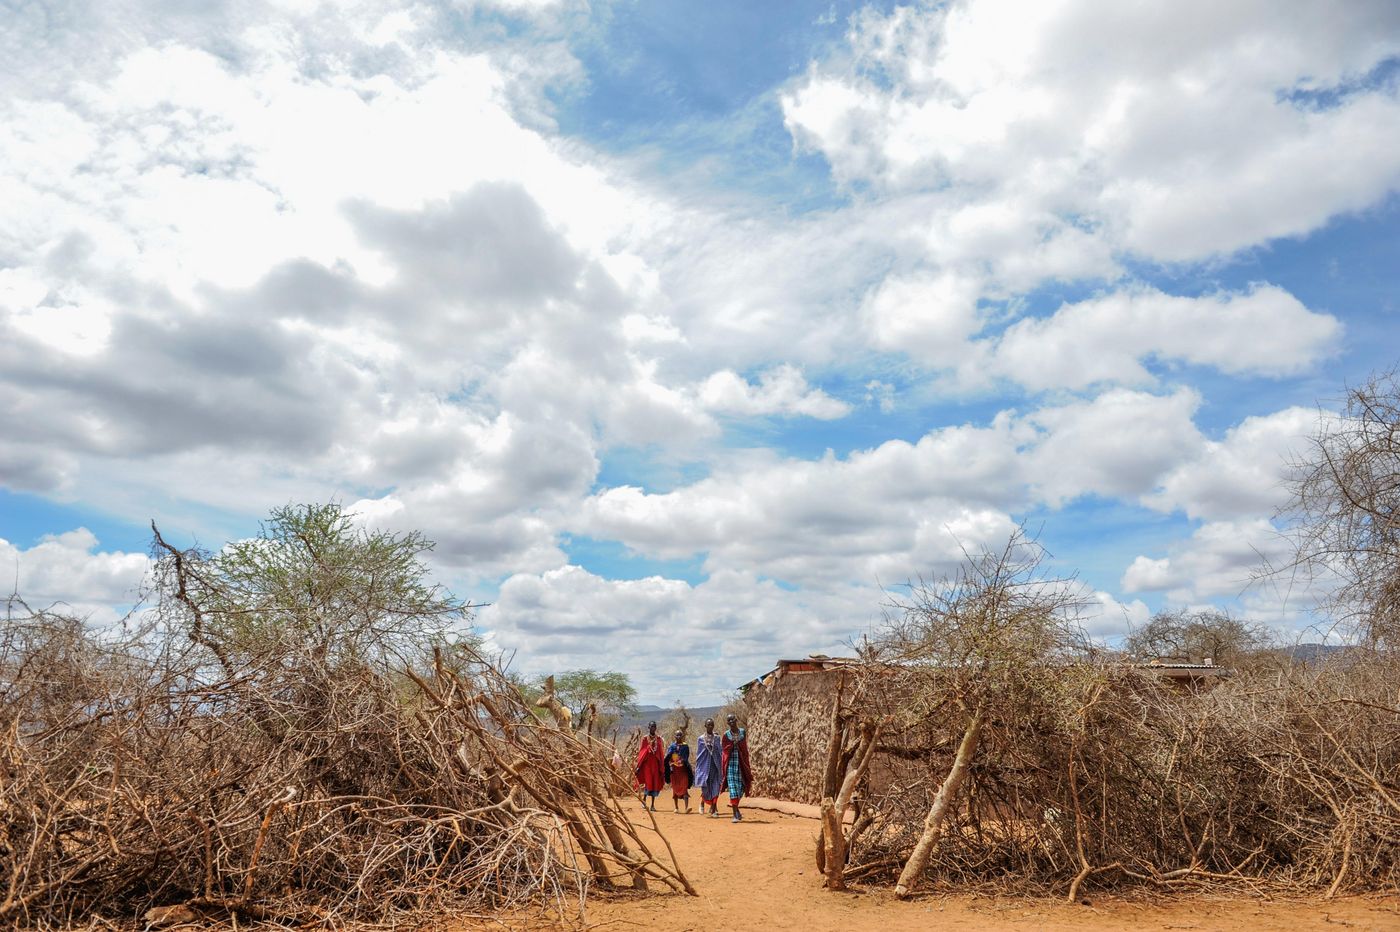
x,y
1314,653
655,713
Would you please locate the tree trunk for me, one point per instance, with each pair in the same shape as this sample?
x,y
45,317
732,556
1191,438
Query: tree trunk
x,y
834,811
831,778
942,803
835,846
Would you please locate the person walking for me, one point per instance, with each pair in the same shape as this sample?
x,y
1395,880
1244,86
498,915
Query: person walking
x,y
678,772
709,772
650,766
735,761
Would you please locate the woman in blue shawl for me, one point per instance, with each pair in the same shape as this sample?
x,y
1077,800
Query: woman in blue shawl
x,y
709,775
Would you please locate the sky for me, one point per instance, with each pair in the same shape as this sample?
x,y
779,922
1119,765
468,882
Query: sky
x,y
690,332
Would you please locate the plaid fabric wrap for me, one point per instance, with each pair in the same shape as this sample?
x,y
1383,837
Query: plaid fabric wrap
x,y
735,777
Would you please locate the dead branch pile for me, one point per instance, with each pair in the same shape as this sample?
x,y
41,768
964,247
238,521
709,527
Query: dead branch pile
x,y
292,777
1110,777
1025,764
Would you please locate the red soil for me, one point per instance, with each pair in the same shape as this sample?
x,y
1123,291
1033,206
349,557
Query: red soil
x,y
760,875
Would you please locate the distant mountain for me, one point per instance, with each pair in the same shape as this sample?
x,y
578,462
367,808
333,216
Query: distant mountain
x,y
656,713
1314,653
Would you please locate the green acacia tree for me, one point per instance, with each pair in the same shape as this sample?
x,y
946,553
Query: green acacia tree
x,y
313,585
609,692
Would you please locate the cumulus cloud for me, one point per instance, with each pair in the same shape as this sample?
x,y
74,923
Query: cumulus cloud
x,y
379,303
1106,618
69,570
930,317
781,390
1158,131
729,628
1116,445
1242,474
1221,559
1264,331
900,509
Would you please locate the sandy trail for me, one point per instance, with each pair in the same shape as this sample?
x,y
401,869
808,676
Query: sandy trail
x,y
760,875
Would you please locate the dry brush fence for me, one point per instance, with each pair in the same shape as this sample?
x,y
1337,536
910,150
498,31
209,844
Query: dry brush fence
x,y
302,780
1283,780
1027,766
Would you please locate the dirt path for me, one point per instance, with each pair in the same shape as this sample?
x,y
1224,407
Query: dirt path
x,y
759,875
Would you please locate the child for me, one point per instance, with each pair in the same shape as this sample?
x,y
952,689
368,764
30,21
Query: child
x,y
678,772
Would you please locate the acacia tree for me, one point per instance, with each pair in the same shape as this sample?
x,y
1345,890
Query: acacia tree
x,y
1345,509
597,699
988,639
296,614
1194,636
313,583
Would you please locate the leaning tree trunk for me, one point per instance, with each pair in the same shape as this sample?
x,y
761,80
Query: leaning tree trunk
x,y
942,803
839,784
834,810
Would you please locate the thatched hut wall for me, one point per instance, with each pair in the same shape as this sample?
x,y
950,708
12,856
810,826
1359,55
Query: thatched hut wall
x,y
789,724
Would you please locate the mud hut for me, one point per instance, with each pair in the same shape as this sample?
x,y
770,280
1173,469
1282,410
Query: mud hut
x,y
789,723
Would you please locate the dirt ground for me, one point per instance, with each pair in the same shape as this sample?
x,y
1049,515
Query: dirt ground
x,y
759,875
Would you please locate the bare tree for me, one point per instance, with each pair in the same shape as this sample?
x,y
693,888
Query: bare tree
x,y
1345,509
1195,637
983,639
678,718
549,700
853,741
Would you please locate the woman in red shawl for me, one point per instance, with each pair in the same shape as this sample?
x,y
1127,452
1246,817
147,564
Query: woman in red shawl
x,y
735,763
651,766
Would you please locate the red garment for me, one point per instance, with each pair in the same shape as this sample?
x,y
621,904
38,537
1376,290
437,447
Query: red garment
x,y
649,764
729,744
680,778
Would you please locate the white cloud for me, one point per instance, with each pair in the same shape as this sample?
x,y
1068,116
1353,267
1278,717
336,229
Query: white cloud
x,y
901,509
1118,444
881,394
781,390
1221,560
679,641
1106,618
68,569
1161,131
1244,473
1265,331
931,318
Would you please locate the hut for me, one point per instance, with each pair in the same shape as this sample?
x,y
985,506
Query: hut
x,y
789,723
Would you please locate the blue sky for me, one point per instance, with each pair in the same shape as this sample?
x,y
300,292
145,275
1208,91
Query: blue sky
x,y
689,330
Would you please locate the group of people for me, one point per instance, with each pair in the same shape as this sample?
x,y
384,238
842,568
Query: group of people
x,y
721,765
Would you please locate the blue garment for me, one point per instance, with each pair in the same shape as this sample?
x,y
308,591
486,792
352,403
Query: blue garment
x,y
735,776
708,777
